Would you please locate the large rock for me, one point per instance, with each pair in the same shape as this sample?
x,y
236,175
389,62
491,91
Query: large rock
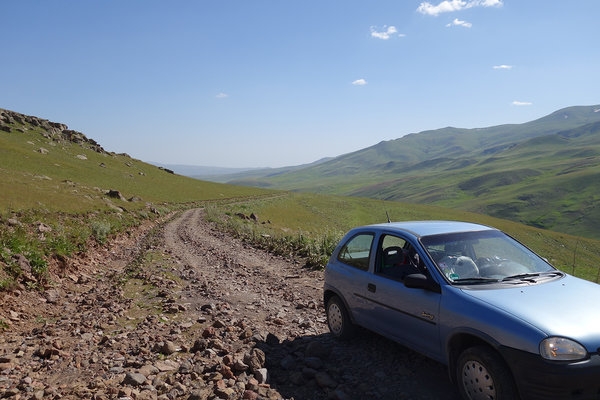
x,y
115,194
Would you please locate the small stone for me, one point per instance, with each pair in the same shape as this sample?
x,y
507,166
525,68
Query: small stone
x,y
224,393
208,332
308,373
250,395
134,379
239,366
288,362
167,365
313,362
219,324
316,349
324,380
339,395
148,370
272,339
261,375
51,296
296,378
246,334
252,384
168,348
13,222
227,372
200,394
199,345
43,228
255,359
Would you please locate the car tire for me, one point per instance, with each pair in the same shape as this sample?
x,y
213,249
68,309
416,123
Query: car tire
x,y
482,374
338,319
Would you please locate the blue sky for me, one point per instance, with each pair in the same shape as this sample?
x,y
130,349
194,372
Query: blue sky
x,y
254,83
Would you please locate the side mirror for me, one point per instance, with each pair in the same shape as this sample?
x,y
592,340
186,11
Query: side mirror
x,y
420,281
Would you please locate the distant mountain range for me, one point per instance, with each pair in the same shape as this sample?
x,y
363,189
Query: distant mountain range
x,y
232,175
544,173
202,172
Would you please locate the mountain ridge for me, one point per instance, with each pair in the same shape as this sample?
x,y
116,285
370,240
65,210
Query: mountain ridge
x,y
441,166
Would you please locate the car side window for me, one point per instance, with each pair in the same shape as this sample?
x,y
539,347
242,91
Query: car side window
x,y
357,251
396,258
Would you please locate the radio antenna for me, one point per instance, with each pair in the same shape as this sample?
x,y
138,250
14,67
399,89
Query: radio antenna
x,y
574,255
388,217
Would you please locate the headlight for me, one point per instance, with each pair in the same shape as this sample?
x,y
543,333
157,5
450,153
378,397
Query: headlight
x,y
562,349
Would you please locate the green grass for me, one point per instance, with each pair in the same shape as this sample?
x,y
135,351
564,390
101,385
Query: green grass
x,y
60,181
317,220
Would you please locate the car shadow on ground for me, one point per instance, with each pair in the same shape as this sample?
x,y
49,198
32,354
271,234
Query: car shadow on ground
x,y
367,366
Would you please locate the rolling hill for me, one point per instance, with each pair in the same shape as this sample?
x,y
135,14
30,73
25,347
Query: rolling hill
x,y
61,192
544,173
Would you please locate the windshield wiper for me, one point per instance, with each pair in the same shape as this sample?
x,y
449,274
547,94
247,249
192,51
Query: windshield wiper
x,y
475,279
530,275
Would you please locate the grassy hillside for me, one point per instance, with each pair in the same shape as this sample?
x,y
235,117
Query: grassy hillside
x,y
318,222
543,173
41,172
54,194
550,181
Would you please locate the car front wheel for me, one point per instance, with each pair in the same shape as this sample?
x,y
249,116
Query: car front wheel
x,y
338,319
482,374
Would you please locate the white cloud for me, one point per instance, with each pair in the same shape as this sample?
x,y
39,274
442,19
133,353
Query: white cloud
x,y
222,96
503,66
386,33
458,22
445,6
359,82
455,5
490,3
521,103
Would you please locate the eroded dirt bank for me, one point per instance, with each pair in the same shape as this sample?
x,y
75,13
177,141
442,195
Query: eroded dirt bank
x,y
188,312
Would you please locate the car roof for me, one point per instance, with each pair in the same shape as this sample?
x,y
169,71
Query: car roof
x,y
427,228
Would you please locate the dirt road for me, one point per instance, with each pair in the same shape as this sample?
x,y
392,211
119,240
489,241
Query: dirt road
x,y
282,298
188,312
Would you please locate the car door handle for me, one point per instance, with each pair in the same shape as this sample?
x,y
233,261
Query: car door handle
x,y
371,287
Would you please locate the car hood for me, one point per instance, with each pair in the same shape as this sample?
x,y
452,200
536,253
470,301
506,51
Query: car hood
x,y
567,307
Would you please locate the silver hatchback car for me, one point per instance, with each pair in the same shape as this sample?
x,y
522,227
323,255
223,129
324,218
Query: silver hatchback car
x,y
506,323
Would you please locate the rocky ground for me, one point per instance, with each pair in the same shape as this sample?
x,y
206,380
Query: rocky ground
x,y
184,311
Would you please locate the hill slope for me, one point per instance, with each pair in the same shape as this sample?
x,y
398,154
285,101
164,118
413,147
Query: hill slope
x,y
45,165
543,173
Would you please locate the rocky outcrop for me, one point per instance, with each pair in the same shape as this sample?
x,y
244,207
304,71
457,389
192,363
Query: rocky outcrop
x,y
11,121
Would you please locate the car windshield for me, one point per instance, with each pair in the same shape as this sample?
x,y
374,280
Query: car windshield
x,y
484,257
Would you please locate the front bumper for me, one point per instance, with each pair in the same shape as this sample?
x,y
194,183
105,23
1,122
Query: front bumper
x,y
537,378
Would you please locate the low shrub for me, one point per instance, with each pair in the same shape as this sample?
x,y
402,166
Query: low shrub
x,y
100,231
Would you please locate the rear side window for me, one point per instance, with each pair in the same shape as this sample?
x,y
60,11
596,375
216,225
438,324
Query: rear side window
x,y
357,251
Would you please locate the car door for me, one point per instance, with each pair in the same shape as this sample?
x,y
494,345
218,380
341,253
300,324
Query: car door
x,y
349,272
407,315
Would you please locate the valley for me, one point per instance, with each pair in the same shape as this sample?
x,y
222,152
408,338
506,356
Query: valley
x,y
121,279
544,173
